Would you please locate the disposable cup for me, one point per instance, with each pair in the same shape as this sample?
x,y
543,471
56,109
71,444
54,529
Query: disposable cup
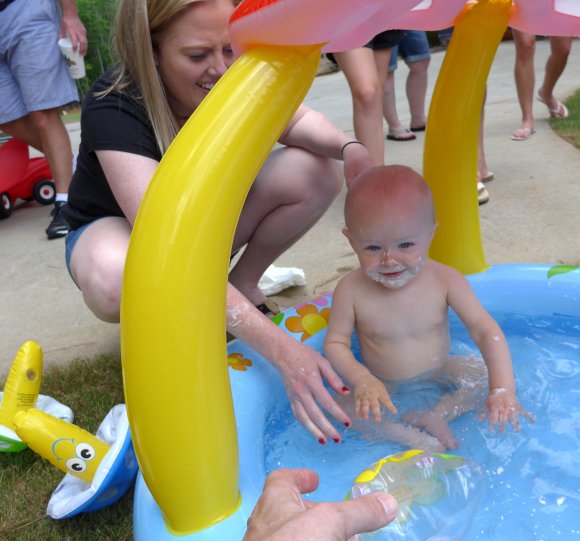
x,y
74,60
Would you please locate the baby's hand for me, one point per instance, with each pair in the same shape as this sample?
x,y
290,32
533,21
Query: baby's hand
x,y
503,407
369,394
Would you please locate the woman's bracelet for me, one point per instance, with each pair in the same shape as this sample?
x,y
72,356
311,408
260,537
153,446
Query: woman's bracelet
x,y
349,143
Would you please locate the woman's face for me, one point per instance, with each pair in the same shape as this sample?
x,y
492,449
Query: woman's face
x,y
192,53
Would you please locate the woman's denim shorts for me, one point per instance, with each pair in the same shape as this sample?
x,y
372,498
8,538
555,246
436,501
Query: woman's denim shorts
x,y
413,48
70,241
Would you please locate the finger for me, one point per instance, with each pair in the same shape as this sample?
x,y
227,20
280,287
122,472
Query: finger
x,y
334,380
324,398
376,409
304,420
303,480
501,419
386,401
367,513
365,409
314,414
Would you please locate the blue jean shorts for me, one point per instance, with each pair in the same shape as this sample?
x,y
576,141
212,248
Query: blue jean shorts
x,y
33,71
70,242
413,48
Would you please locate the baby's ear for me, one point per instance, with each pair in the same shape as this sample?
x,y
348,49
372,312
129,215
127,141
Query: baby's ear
x,y
435,226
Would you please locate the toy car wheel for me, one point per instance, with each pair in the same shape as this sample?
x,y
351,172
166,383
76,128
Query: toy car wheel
x,y
5,206
44,192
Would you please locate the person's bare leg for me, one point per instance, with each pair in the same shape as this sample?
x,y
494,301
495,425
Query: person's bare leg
x,y
56,146
291,193
390,104
382,61
360,71
559,51
22,128
97,264
469,376
416,88
389,429
525,78
482,168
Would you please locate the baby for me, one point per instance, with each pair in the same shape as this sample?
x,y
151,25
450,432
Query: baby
x,y
398,301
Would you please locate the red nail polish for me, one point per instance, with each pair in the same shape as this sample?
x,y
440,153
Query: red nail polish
x,y
345,389
336,440
322,441
347,425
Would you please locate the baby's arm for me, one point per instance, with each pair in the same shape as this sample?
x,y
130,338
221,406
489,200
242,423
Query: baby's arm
x,y
502,403
369,391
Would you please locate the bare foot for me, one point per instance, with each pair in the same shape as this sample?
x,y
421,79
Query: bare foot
x,y
436,425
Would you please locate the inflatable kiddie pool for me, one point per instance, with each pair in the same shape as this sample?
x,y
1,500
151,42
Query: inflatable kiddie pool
x,y
530,487
193,481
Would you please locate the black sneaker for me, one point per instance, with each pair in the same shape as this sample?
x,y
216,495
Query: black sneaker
x,y
58,227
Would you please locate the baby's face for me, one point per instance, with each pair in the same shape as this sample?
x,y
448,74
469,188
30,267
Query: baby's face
x,y
392,246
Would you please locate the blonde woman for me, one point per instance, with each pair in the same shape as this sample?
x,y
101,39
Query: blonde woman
x,y
170,55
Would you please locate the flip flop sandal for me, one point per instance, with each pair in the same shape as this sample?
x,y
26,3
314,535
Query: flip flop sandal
x,y
402,134
482,193
418,128
561,111
487,178
523,134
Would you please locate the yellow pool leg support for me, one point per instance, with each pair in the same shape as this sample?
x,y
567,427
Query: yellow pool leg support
x,y
22,384
450,157
173,339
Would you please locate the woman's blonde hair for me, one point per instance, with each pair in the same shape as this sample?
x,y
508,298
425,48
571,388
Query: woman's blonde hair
x,y
137,25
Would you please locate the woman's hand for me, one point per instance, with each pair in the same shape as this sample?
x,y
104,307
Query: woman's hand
x,y
302,370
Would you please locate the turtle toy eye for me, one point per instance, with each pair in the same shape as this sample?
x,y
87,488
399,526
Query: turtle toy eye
x,y
85,451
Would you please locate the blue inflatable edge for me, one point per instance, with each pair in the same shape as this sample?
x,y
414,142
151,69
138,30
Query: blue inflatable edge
x,y
551,290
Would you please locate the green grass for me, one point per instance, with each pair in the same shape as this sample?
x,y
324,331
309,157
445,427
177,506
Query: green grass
x,y
569,128
91,387
72,114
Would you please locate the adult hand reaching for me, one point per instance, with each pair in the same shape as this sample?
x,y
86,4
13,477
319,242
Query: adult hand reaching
x,y
282,514
301,367
303,370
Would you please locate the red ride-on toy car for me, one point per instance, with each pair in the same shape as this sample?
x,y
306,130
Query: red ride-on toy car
x,y
22,177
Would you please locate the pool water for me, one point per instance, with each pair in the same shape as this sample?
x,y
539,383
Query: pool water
x,y
532,477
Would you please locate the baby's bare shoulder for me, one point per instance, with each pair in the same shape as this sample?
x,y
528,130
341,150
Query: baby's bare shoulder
x,y
446,275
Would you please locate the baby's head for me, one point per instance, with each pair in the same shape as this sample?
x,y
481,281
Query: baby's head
x,y
390,223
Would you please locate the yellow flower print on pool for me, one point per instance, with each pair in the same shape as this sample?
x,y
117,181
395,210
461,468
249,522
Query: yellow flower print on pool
x,y
309,321
238,362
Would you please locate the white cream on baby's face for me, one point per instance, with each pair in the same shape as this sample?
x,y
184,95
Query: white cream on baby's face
x,y
392,244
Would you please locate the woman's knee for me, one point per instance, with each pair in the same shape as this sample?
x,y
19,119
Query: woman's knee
x,y
101,288
367,96
324,178
561,47
97,264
